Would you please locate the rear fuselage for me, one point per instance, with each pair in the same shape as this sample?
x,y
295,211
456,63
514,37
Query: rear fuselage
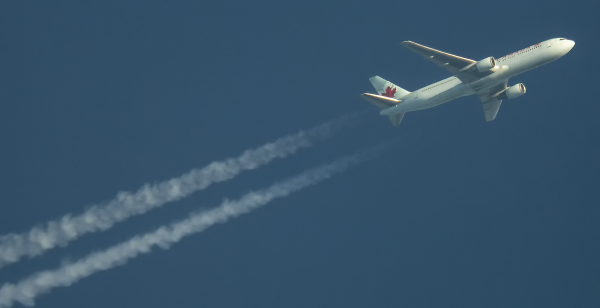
x,y
506,67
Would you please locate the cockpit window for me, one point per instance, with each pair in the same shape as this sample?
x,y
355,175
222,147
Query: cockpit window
x,y
562,39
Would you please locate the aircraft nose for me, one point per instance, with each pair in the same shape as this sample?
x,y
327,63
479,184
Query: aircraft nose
x,y
565,47
568,45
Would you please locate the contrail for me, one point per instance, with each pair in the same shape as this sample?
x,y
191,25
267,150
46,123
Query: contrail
x,y
101,217
28,289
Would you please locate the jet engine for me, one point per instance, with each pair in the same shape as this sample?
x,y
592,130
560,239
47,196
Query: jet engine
x,y
486,64
512,92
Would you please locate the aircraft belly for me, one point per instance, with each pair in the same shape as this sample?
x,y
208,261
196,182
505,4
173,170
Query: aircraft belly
x,y
428,101
445,97
506,71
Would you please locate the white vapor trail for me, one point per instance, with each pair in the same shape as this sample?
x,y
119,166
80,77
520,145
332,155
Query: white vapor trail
x,y
101,217
29,288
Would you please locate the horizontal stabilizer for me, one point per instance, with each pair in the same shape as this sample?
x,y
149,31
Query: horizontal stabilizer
x,y
380,101
396,118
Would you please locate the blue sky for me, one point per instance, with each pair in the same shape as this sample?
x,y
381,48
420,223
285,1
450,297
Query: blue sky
x,y
98,97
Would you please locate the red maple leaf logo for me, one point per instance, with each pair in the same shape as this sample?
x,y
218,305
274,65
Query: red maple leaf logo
x,y
389,92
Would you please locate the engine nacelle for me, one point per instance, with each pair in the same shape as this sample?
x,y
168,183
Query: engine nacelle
x,y
512,92
486,64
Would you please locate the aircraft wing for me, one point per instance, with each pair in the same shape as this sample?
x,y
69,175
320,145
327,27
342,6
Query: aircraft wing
x,y
491,104
455,64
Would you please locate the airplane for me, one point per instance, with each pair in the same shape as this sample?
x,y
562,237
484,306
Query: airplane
x,y
488,79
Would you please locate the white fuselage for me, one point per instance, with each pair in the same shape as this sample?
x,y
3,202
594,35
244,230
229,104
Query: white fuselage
x,y
506,67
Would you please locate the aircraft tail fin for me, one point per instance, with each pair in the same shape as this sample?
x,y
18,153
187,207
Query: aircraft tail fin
x,y
386,88
388,96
